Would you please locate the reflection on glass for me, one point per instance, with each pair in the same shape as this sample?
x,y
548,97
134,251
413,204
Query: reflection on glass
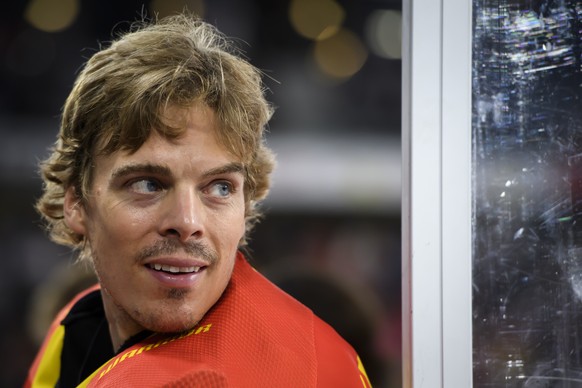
x,y
527,193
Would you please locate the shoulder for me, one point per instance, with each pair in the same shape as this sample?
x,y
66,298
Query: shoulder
x,y
291,325
263,298
338,364
44,369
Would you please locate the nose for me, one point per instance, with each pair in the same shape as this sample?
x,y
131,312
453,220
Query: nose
x,y
183,214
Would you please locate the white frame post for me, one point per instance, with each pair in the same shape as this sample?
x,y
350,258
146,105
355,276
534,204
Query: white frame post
x,y
436,197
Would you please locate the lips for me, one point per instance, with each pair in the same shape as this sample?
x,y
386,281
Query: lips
x,y
176,273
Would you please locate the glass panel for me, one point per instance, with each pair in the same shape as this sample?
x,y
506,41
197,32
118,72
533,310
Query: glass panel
x,y
527,193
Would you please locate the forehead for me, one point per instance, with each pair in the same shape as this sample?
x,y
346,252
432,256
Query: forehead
x,y
194,143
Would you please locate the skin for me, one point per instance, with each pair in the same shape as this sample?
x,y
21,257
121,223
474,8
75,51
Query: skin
x,y
177,203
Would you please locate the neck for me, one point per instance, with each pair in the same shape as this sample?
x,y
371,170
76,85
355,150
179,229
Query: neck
x,y
121,325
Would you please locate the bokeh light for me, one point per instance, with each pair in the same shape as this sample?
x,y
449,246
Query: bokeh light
x,y
51,15
316,19
384,33
340,56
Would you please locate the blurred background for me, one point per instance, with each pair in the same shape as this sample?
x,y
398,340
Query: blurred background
x,y
331,235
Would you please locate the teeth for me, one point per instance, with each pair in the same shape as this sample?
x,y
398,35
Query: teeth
x,y
172,269
169,268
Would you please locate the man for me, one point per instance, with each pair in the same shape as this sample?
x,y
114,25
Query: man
x,y
155,179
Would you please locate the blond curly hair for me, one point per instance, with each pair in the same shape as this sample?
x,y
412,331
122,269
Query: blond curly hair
x,y
120,94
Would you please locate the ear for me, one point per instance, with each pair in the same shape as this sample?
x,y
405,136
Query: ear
x,y
74,212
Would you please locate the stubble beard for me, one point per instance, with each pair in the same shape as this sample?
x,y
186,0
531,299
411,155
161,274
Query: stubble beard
x,y
157,320
177,294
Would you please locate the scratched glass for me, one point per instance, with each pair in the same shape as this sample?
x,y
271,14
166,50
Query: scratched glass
x,y
527,193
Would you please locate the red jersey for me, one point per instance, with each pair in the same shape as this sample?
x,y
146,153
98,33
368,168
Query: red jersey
x,y
256,335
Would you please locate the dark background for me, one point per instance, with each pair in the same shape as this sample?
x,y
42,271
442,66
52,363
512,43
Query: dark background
x,y
331,235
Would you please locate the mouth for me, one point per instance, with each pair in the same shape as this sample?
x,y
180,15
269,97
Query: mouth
x,y
174,275
173,269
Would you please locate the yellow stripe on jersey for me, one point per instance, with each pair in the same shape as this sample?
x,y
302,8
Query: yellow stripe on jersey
x,y
49,368
89,378
363,374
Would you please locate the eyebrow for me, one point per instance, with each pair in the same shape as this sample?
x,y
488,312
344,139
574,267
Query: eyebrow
x,y
142,168
229,168
148,168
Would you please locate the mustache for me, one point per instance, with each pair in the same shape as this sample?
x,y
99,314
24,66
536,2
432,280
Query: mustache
x,y
170,247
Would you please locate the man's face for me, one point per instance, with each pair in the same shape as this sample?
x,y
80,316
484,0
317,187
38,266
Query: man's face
x,y
163,225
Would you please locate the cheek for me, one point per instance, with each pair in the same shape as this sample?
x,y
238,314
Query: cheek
x,y
233,226
118,225
139,219
242,222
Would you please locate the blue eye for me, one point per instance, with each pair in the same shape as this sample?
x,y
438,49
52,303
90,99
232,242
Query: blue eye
x,y
145,186
221,189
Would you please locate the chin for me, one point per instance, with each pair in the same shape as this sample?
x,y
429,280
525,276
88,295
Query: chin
x,y
171,326
167,320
